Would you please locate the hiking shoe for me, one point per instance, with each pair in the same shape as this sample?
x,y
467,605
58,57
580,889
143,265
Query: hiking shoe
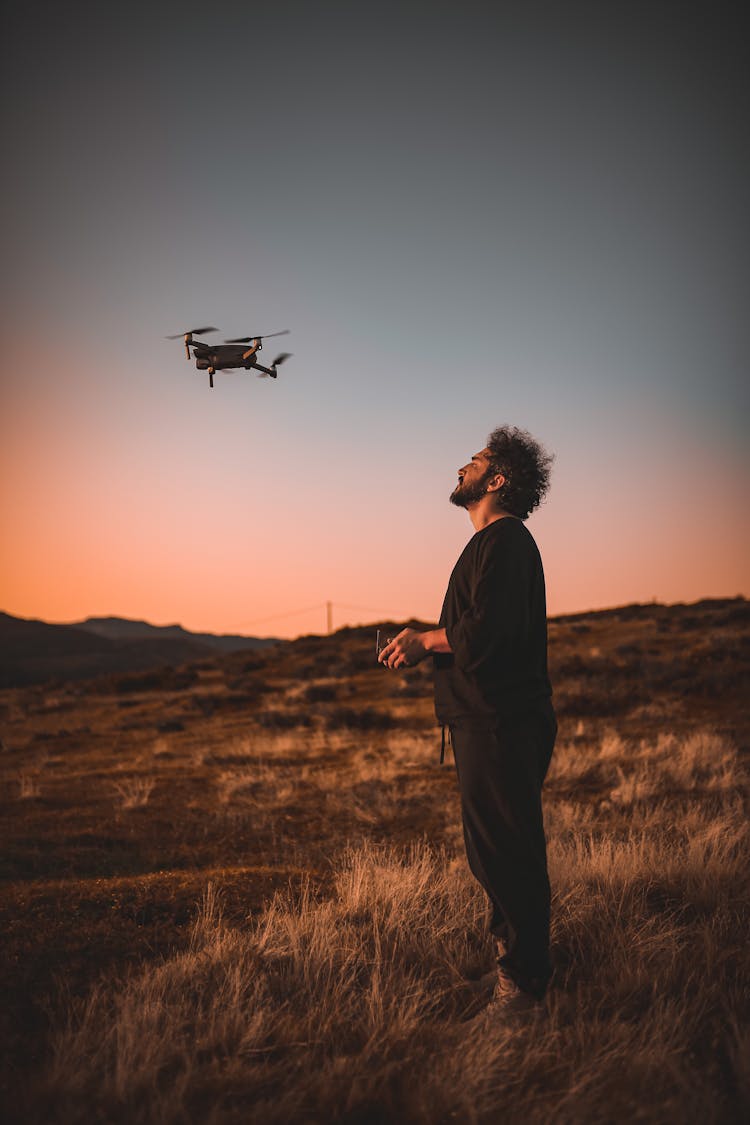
x,y
506,1001
508,997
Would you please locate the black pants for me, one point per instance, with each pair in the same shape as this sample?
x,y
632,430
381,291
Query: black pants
x,y
501,771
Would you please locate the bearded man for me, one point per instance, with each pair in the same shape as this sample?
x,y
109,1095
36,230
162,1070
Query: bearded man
x,y
493,693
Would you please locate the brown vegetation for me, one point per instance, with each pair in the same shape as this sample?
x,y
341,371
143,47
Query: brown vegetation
x,y
240,894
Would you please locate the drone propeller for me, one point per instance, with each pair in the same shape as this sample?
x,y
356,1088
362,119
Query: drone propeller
x,y
282,358
249,339
192,332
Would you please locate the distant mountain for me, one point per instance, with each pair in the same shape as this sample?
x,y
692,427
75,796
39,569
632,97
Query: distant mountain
x,y
34,651
121,628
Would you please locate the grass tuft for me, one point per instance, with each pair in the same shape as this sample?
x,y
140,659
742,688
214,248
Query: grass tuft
x,y
134,792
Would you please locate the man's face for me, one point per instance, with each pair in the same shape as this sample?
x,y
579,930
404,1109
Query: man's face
x,y
473,480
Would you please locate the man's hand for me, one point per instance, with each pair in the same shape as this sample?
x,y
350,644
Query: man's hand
x,y
405,650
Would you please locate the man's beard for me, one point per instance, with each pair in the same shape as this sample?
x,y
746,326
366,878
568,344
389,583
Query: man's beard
x,y
464,495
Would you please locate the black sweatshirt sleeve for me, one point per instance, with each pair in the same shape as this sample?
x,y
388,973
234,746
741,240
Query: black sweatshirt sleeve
x,y
494,628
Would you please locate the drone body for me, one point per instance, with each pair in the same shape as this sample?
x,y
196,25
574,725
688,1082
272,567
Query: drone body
x,y
239,354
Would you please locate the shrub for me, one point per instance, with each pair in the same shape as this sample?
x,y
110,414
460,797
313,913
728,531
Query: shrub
x,y
362,718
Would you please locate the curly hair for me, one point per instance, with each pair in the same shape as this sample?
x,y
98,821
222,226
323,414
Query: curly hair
x,y
526,466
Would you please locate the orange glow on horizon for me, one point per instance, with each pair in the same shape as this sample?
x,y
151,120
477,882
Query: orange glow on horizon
x,y
103,516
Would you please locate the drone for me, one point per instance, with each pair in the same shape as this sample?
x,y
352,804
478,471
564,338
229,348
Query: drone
x,y
231,354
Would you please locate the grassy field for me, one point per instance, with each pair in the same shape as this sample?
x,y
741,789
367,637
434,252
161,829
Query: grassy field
x,y
237,892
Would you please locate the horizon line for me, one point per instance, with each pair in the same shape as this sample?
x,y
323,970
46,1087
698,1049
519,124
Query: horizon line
x,y
386,619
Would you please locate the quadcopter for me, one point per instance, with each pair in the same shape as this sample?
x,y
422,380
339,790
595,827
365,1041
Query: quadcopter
x,y
231,354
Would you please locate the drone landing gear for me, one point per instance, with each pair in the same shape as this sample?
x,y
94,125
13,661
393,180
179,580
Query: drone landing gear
x,y
211,373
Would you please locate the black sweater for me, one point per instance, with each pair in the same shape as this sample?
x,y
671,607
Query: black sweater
x,y
495,618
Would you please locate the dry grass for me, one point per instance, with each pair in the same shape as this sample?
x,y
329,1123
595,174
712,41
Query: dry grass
x,y
355,1003
286,930
134,793
28,786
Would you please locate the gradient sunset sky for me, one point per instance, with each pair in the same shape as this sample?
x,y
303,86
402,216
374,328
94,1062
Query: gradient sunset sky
x,y
467,214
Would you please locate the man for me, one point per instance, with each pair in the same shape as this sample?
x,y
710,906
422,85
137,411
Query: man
x,y
493,692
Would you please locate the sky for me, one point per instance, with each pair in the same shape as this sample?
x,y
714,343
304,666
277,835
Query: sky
x,y
466,215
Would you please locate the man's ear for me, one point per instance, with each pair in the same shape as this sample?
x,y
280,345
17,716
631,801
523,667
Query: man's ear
x,y
494,484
